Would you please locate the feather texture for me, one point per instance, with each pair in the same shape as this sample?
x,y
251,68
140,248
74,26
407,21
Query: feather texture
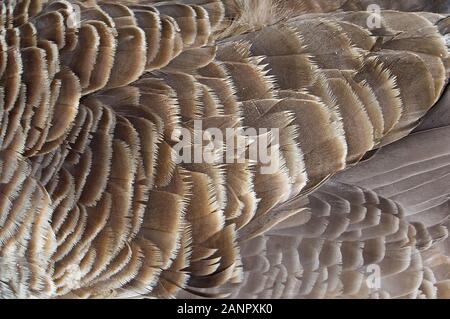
x,y
94,96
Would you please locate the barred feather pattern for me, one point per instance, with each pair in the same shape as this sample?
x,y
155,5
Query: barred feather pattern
x,y
93,95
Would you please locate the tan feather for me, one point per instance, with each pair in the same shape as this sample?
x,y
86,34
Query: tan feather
x,y
93,103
